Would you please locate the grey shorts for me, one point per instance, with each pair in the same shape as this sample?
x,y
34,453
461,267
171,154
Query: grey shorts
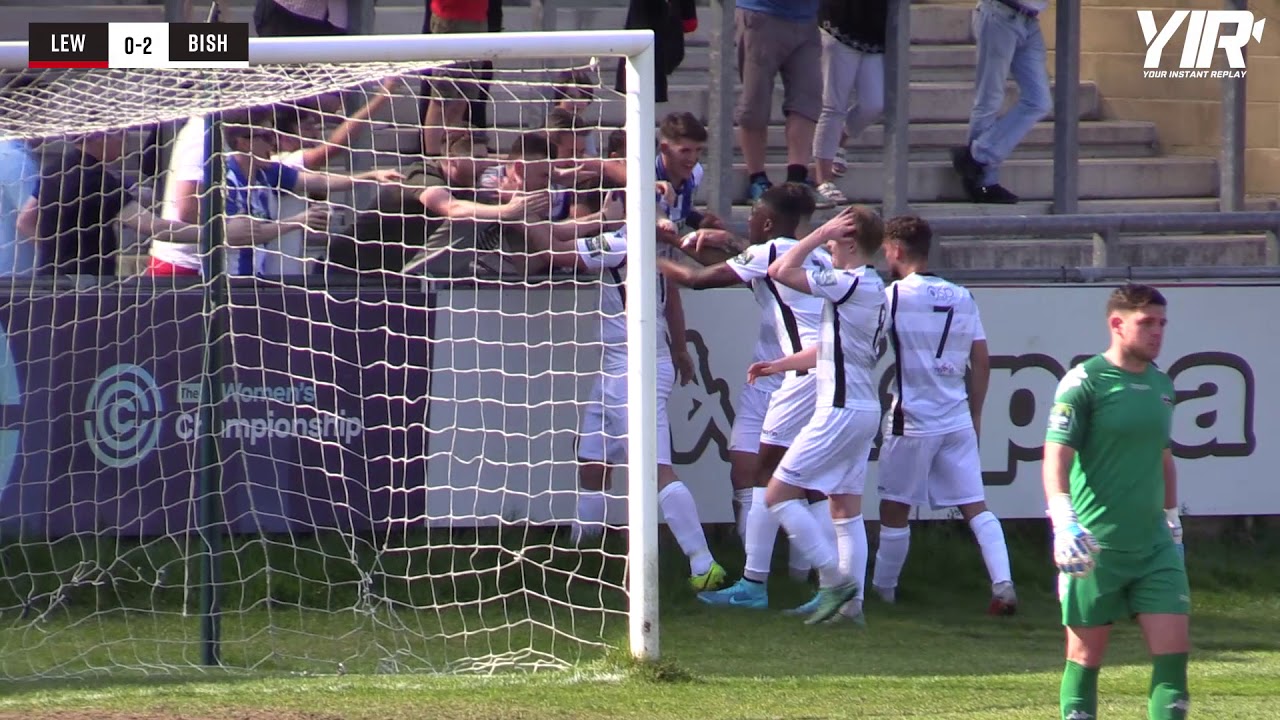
x,y
767,46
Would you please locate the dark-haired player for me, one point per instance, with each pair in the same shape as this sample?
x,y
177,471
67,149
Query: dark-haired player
x,y
930,450
771,412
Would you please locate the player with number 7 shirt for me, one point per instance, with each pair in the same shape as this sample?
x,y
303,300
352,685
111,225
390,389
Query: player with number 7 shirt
x,y
939,384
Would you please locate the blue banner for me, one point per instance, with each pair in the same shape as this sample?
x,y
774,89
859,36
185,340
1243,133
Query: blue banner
x,y
322,421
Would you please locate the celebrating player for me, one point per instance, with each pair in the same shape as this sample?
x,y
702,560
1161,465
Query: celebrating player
x,y
1113,501
930,450
602,436
770,414
831,454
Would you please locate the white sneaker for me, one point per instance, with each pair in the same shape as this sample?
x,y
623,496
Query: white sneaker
x,y
1004,601
832,194
840,164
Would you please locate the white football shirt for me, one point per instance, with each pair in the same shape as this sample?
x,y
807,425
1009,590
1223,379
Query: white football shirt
x,y
607,255
790,321
933,324
853,319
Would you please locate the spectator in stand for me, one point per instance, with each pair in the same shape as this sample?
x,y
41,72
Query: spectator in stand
x,y
78,200
476,116
1009,43
853,38
778,37
454,88
255,182
574,94
285,18
18,175
303,145
670,21
402,231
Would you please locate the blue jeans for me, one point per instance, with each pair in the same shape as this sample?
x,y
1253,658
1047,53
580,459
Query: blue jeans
x,y
1008,44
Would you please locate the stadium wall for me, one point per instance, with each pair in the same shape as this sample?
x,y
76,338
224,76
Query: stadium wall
x,y
461,408
1187,112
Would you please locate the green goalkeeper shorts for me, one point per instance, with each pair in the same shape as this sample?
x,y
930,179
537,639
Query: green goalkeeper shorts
x,y
1125,584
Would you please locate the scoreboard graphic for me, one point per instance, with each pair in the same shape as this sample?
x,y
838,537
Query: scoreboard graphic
x,y
138,45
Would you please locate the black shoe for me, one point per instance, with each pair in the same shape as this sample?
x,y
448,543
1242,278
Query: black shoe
x,y
995,194
970,170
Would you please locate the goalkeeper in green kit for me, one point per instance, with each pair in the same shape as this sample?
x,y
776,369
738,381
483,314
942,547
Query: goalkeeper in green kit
x,y
1112,490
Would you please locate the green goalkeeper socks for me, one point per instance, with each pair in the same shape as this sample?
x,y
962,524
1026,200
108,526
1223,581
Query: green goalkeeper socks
x,y
1169,697
1079,694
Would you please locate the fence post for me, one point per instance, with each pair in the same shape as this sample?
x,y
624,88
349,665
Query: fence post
x,y
897,114
1231,164
1066,109
177,11
1103,240
721,185
1272,251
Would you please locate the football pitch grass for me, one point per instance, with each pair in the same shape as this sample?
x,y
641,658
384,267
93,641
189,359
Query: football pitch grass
x,y
933,655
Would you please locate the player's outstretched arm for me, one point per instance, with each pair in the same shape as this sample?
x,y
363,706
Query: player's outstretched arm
x,y
806,359
712,246
698,278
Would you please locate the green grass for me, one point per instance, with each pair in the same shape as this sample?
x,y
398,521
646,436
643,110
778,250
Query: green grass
x,y
935,655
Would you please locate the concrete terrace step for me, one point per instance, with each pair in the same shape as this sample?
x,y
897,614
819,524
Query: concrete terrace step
x,y
928,62
933,181
930,210
929,141
1101,138
928,102
1190,251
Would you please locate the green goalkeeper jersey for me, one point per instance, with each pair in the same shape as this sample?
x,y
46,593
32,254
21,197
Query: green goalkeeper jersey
x,y
1118,423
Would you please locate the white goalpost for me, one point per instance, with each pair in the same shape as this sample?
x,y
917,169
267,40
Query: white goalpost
x,y
287,390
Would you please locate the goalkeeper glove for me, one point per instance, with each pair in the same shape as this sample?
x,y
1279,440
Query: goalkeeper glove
x,y
1073,546
1174,522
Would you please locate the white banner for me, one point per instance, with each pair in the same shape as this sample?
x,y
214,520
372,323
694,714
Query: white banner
x,y
511,371
1215,350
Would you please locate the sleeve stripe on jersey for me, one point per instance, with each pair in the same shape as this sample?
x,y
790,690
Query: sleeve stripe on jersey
x,y
788,317
899,417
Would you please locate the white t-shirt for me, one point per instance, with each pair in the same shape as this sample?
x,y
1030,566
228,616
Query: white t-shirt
x,y
790,321
607,255
852,322
932,327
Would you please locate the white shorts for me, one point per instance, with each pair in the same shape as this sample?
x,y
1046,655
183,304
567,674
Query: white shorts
x,y
602,436
830,455
790,410
942,470
748,418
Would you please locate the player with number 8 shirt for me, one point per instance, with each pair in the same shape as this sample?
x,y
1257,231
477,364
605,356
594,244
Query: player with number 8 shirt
x,y
1111,487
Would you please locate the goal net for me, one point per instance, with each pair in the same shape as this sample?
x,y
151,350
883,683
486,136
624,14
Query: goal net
x,y
292,365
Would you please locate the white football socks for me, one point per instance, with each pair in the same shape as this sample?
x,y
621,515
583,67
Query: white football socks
x,y
681,513
809,536
990,535
892,555
762,533
591,511
742,497
851,548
